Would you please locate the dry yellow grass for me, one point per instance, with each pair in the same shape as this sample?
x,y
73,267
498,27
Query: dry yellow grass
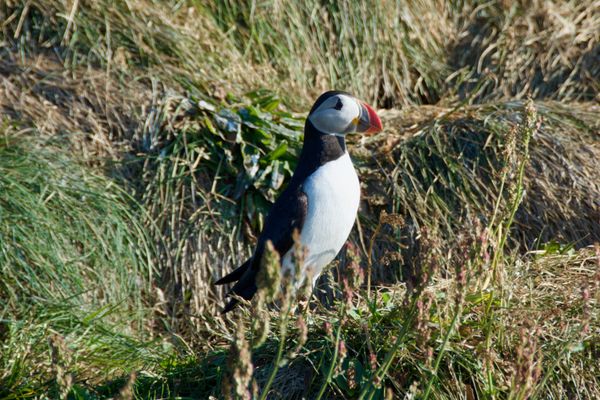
x,y
543,49
98,115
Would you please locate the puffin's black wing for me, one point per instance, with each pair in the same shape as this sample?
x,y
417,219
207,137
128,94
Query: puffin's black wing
x,y
287,214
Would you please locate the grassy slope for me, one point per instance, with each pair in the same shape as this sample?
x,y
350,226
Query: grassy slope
x,y
152,94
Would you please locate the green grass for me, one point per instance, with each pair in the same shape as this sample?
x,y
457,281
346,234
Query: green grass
x,y
143,141
76,264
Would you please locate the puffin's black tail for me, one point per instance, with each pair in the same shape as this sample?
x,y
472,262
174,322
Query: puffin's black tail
x,y
236,274
245,287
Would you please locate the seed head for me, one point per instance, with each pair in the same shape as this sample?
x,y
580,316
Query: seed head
x,y
269,274
342,353
302,336
351,376
260,326
60,363
393,219
528,364
126,392
328,329
239,365
373,361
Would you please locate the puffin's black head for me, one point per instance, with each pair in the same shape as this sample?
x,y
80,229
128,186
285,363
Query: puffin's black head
x,y
339,113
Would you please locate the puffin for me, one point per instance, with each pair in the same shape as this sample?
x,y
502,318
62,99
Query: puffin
x,y
321,200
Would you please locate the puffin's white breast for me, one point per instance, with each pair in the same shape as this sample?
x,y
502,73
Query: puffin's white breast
x,y
333,193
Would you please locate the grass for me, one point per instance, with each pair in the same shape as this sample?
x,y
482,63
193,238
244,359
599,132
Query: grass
x,y
439,169
516,50
140,151
384,54
76,270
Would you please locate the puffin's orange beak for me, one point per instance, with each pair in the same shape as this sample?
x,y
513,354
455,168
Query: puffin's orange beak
x,y
368,122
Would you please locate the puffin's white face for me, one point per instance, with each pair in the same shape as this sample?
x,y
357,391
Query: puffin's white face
x,y
341,114
337,115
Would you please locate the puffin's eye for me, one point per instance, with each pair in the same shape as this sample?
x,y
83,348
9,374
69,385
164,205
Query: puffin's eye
x,y
339,104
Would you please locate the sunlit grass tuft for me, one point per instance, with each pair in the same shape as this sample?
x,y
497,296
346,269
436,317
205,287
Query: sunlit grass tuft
x,y
76,264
